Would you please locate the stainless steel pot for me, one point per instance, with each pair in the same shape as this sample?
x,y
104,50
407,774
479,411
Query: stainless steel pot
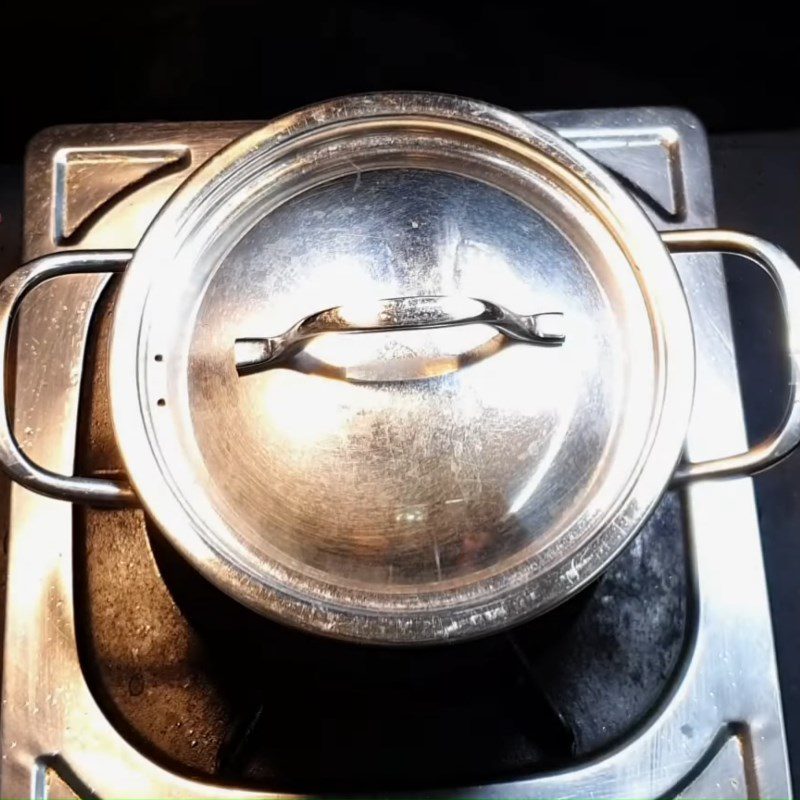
x,y
515,405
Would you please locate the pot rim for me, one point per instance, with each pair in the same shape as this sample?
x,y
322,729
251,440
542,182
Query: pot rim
x,y
132,390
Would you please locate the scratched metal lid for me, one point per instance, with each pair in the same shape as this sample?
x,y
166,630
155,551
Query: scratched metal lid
x,y
403,364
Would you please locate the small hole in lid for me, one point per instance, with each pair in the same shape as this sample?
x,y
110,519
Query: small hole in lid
x,y
161,401
159,357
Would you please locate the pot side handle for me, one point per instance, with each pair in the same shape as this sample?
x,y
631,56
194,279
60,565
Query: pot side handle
x,y
786,275
94,491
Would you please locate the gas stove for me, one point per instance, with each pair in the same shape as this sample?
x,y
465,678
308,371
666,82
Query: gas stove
x,y
126,674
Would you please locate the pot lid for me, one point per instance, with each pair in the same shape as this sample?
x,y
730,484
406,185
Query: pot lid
x,y
392,368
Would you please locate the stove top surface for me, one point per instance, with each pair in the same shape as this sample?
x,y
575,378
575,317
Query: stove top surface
x,y
132,676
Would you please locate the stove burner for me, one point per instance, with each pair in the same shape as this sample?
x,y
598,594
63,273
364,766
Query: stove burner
x,y
256,698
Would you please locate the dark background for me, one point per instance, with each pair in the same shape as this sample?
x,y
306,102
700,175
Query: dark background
x,y
241,59
226,59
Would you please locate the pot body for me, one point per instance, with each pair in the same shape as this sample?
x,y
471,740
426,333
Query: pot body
x,y
485,488
513,406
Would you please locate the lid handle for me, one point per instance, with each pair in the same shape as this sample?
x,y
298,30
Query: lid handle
x,y
399,313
